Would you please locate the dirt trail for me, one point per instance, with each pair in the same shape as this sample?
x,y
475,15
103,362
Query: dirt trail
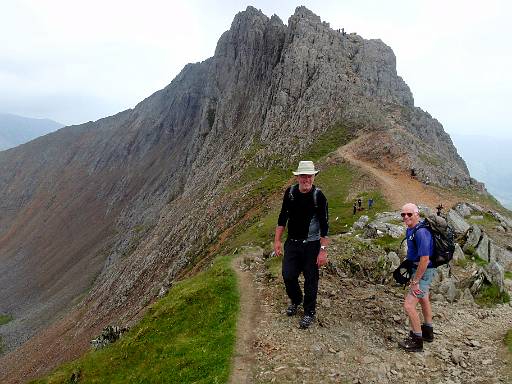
x,y
243,360
397,187
354,339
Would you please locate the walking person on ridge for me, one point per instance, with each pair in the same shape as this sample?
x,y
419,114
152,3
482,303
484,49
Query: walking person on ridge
x,y
420,246
305,211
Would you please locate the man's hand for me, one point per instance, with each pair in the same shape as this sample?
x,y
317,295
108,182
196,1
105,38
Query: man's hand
x,y
277,248
321,258
414,287
277,240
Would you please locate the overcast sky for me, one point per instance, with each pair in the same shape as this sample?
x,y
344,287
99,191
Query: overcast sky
x,y
75,61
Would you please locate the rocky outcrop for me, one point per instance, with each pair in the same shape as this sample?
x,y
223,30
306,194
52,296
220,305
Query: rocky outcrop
x,y
458,254
462,209
482,250
457,222
501,255
120,207
473,237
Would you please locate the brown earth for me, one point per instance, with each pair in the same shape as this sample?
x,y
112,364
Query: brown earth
x,y
354,338
398,188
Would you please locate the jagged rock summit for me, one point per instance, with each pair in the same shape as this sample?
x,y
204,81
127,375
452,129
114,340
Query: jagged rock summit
x,y
116,209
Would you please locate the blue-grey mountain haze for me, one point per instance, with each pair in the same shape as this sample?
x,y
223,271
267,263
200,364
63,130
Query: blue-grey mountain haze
x,y
489,160
16,130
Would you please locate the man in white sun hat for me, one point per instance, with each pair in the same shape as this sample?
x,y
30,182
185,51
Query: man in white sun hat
x,y
305,210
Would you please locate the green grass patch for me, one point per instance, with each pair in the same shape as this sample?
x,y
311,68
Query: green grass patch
x,y
388,243
471,252
488,221
508,275
335,183
274,266
4,319
263,180
336,136
490,296
508,340
260,232
479,261
463,263
186,337
430,160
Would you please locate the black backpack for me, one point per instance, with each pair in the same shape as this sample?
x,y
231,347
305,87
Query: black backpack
x,y
294,187
443,235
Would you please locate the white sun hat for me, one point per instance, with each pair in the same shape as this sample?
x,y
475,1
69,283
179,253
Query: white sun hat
x,y
306,168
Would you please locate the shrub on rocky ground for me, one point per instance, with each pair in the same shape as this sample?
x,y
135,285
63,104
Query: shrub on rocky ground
x,y
490,296
508,340
4,319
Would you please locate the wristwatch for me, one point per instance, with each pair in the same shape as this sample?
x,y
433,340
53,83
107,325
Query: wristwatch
x,y
323,247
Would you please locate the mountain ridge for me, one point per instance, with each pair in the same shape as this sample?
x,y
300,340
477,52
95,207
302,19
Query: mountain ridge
x,y
156,181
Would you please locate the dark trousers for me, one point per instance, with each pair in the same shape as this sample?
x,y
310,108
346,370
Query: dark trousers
x,y
300,258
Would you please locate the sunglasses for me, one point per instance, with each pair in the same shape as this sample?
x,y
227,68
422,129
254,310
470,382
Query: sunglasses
x,y
408,214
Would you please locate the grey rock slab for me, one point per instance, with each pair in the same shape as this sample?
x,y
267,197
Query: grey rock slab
x,y
501,255
482,249
463,209
457,222
458,254
472,238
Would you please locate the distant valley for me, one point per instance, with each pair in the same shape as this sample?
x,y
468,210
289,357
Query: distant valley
x,y
16,130
488,160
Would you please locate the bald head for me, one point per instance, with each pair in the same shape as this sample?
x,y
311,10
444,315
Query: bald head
x,y
410,207
410,214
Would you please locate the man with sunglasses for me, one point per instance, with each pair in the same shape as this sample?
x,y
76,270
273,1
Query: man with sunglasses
x,y
420,246
305,250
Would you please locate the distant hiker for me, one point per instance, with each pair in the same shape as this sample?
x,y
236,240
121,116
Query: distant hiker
x,y
354,209
420,246
439,209
370,203
359,202
305,250
413,173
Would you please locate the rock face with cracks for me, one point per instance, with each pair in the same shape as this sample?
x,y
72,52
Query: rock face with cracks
x,y
115,209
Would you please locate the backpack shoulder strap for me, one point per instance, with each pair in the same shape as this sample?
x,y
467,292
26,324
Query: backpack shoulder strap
x,y
293,188
423,224
315,196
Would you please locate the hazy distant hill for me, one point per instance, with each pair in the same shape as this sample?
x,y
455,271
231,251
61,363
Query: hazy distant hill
x,y
16,130
489,159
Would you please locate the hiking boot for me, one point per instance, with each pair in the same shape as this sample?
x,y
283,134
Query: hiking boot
x,y
306,321
412,343
292,309
427,333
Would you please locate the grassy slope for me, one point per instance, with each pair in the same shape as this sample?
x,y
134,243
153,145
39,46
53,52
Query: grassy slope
x,y
508,340
4,319
187,337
